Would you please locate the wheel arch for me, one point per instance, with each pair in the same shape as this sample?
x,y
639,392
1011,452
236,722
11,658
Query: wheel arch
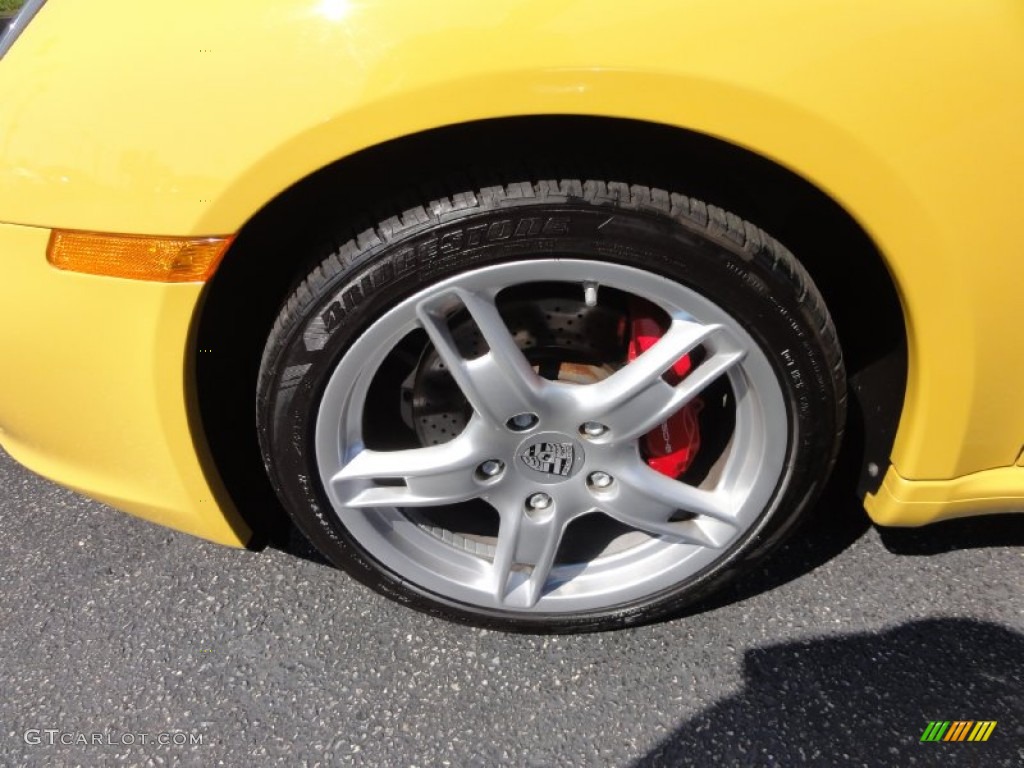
x,y
297,229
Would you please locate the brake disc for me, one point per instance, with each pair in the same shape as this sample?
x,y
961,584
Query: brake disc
x,y
563,339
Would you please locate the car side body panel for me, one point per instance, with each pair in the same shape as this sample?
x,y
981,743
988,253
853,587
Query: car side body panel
x,y
93,389
186,119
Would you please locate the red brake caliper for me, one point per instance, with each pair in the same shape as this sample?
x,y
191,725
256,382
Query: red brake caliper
x,y
670,447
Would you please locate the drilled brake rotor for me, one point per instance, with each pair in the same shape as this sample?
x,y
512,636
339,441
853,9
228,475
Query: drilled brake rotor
x,y
563,339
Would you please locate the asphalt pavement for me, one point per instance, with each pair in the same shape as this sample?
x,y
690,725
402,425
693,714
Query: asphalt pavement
x,y
134,639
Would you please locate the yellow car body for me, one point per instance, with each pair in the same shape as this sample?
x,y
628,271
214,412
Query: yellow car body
x,y
185,119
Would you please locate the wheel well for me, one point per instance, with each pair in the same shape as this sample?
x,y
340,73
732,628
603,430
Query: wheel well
x,y
314,217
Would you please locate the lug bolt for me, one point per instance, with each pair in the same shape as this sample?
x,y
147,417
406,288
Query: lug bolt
x,y
539,501
593,429
600,479
491,468
522,422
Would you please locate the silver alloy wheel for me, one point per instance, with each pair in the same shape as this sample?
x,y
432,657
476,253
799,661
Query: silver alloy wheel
x,y
579,453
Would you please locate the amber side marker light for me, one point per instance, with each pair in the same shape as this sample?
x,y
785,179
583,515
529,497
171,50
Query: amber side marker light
x,y
137,257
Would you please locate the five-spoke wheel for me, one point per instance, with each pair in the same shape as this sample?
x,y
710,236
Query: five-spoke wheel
x,y
547,452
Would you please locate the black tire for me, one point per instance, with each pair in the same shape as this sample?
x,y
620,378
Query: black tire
x,y
724,258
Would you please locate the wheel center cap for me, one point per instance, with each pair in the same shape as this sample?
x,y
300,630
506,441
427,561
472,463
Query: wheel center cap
x,y
549,457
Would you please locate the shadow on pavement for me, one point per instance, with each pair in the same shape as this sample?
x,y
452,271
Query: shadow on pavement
x,y
298,545
864,699
969,533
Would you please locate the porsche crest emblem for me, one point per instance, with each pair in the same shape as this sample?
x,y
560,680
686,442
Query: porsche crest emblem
x,y
550,458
